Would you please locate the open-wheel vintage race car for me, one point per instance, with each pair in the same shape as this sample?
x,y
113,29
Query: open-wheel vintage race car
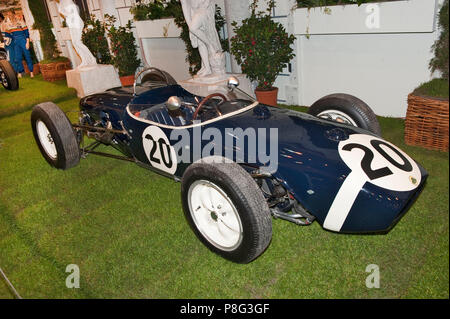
x,y
239,162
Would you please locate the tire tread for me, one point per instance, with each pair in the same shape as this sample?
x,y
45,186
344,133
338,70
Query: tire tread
x,y
70,156
248,192
367,118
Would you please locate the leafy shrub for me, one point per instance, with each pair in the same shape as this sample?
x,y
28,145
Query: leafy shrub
x,y
157,9
123,47
94,38
41,23
440,47
438,87
261,46
323,3
434,88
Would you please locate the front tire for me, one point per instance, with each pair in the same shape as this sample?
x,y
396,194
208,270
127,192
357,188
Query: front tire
x,y
346,109
55,136
226,210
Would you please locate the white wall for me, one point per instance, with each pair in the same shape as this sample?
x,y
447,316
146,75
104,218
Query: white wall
x,y
337,52
381,69
162,47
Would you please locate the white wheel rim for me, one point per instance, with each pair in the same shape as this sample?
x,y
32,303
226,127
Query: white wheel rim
x,y
337,116
215,215
46,140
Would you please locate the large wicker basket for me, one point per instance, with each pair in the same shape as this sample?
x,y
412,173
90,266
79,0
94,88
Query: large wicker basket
x,y
426,122
55,71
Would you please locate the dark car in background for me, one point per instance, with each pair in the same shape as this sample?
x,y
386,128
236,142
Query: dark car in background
x,y
8,77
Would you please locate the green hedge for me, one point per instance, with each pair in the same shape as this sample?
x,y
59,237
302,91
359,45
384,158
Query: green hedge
x,y
94,38
440,47
42,23
323,3
434,88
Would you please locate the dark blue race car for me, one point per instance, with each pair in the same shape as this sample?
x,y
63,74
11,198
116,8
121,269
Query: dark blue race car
x,y
241,163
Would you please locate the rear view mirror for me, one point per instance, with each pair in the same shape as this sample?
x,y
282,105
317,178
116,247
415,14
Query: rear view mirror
x,y
232,83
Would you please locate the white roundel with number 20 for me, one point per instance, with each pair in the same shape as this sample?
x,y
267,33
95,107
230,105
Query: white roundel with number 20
x,y
159,152
372,160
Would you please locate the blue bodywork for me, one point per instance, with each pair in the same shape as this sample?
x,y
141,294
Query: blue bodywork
x,y
309,164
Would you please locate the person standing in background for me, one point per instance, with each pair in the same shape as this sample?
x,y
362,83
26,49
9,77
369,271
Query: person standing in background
x,y
20,35
5,23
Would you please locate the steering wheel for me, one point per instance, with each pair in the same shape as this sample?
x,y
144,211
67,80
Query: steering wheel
x,y
200,105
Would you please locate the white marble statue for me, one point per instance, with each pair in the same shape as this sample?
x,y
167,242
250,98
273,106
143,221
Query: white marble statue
x,y
70,12
199,16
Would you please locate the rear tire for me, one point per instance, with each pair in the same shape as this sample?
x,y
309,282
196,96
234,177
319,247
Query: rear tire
x,y
55,136
347,109
226,210
8,76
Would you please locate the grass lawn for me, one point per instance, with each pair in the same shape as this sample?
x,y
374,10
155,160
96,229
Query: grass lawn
x,y
31,92
124,227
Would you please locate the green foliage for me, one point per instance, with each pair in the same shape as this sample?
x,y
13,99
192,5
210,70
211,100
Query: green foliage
x,y
439,87
160,9
157,9
123,47
41,23
261,46
323,3
434,88
53,60
440,47
94,38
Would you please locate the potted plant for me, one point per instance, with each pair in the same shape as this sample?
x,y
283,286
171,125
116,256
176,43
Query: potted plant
x,y
94,38
427,121
54,66
124,51
262,48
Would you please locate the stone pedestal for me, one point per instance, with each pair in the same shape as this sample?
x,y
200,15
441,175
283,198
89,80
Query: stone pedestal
x,y
205,86
92,79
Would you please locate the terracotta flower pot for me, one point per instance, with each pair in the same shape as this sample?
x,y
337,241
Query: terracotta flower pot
x,y
127,80
268,97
